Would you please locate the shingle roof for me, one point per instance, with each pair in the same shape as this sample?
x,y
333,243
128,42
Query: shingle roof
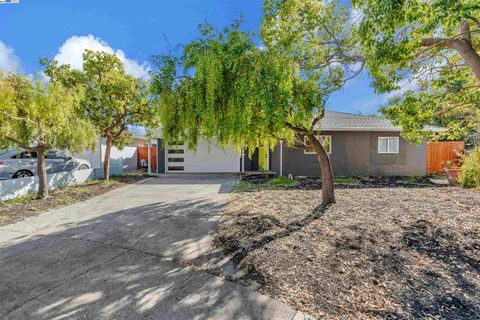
x,y
342,121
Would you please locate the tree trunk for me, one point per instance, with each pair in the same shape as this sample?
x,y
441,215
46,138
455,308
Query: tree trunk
x,y
470,56
42,174
328,194
463,46
106,160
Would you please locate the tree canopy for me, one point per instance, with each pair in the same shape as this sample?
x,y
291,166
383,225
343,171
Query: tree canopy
x,y
113,99
431,46
39,116
223,86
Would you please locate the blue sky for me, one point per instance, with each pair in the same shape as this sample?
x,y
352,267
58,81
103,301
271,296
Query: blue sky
x,y
135,30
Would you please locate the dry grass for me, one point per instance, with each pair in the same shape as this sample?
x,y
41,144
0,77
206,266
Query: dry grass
x,y
378,253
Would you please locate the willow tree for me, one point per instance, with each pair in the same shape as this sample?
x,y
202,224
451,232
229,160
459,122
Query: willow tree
x,y
432,46
38,116
113,100
225,87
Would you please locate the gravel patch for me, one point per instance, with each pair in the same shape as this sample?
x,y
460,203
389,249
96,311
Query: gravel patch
x,y
378,253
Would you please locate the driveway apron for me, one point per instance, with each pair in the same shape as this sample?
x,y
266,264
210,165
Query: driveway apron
x,y
126,255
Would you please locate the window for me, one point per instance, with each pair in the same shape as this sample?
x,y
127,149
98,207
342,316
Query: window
x,y
175,160
326,141
25,155
176,151
388,144
175,168
55,154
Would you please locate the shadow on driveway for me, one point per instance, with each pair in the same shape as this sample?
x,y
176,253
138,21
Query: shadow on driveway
x,y
127,264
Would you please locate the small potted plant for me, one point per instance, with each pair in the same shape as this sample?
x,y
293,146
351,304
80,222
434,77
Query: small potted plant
x,y
452,170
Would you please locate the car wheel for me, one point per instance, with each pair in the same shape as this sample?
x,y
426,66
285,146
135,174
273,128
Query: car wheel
x,y
22,174
83,167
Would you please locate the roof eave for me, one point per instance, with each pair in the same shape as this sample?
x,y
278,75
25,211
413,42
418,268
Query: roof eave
x,y
375,129
359,129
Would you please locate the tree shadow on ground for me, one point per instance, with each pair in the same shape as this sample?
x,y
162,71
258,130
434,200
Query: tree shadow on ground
x,y
415,270
125,264
443,288
259,224
448,293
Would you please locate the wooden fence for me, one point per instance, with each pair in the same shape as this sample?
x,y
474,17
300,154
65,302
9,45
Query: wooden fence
x,y
438,153
142,154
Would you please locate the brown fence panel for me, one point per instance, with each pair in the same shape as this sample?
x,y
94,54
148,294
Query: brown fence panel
x,y
142,154
438,153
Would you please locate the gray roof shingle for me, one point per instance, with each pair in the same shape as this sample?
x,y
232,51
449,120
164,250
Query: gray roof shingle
x,y
342,121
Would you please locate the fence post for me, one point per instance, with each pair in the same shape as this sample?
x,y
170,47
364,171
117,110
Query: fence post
x,y
149,160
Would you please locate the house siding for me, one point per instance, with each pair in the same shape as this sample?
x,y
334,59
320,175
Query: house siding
x,y
275,159
125,158
161,156
250,164
355,153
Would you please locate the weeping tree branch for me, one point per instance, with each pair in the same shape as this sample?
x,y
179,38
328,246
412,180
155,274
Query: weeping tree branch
x,y
19,118
20,144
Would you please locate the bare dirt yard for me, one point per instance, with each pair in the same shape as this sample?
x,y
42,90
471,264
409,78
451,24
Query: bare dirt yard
x,y
397,253
15,210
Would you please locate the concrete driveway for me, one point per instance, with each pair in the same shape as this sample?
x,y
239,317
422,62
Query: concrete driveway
x,y
125,255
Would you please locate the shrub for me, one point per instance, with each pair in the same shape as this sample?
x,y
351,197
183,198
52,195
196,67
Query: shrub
x,y
281,181
470,175
346,180
245,186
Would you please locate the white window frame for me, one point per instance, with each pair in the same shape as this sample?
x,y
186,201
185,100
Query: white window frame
x,y
388,145
318,137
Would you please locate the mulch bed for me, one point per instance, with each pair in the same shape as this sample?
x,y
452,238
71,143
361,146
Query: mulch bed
x,y
315,183
397,253
15,211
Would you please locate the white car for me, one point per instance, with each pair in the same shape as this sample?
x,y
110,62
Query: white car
x,y
21,163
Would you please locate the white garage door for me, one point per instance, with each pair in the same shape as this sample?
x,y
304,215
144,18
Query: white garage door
x,y
207,158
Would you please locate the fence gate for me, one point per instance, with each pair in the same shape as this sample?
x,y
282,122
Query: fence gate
x,y
142,154
438,153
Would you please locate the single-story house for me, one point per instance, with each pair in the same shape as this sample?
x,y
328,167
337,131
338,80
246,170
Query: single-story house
x,y
357,145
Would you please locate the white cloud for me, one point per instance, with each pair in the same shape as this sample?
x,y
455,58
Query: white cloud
x,y
371,105
8,59
405,85
71,53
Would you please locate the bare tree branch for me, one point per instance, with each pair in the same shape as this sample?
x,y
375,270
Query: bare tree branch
x,y
296,128
318,118
301,142
441,42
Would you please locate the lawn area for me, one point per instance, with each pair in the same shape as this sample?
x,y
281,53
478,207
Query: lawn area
x,y
19,209
397,252
279,182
